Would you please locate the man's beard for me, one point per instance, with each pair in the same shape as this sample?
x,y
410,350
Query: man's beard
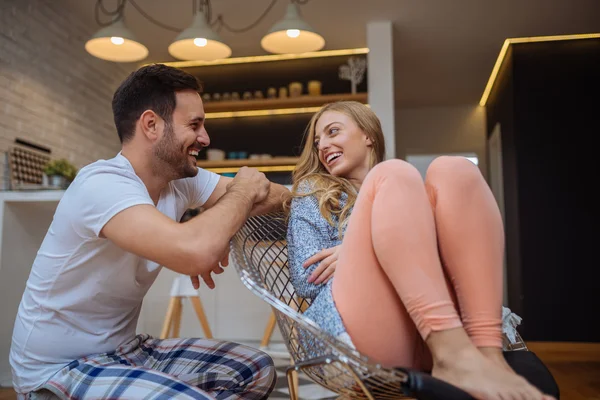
x,y
173,157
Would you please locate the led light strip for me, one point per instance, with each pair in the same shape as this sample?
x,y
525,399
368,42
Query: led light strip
x,y
534,39
274,57
261,113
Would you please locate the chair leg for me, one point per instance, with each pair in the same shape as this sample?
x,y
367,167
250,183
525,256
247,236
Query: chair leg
x,y
201,316
168,318
268,330
296,380
292,378
177,318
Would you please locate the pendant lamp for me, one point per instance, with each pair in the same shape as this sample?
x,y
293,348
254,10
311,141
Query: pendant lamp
x,y
116,43
292,35
199,42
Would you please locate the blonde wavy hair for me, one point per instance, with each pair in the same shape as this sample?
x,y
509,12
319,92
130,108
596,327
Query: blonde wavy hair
x,y
325,187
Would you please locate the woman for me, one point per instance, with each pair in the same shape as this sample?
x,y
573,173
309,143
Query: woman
x,y
406,255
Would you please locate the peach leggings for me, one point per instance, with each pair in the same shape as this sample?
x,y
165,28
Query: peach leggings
x,y
413,254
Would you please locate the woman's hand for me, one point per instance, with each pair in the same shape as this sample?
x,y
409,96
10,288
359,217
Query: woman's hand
x,y
328,262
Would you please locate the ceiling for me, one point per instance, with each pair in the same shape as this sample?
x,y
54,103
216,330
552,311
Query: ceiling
x,y
444,50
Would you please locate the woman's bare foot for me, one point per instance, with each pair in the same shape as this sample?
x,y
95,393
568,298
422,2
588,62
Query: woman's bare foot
x,y
458,362
495,355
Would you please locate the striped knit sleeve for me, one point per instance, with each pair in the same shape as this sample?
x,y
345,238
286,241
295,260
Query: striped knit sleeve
x,y
308,233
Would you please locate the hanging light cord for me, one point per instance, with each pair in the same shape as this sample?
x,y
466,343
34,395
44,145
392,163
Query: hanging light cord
x,y
149,18
220,22
116,15
205,5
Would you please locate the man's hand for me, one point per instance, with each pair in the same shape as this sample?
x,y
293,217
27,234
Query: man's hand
x,y
328,262
207,277
250,181
217,269
277,194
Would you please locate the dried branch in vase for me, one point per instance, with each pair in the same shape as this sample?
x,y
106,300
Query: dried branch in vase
x,y
354,71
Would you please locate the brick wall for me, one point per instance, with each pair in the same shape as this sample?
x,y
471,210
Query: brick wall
x,y
52,92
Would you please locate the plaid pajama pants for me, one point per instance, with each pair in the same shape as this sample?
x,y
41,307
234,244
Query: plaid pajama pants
x,y
148,368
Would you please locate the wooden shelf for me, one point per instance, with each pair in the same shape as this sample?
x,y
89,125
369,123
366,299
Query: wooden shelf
x,y
275,164
289,102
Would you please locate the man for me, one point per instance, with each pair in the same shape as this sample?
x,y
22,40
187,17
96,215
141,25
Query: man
x,y
115,226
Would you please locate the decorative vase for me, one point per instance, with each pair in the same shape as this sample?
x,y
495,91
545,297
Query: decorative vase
x,y
58,181
295,89
354,71
314,88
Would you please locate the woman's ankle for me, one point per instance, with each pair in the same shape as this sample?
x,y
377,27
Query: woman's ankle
x,y
496,355
491,351
449,346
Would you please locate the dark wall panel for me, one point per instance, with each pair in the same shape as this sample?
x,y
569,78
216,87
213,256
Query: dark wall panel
x,y
558,119
548,145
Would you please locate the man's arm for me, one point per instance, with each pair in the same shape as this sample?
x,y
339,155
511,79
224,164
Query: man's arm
x,y
278,194
194,247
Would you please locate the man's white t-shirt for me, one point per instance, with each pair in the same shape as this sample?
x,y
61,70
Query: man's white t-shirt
x,y
84,294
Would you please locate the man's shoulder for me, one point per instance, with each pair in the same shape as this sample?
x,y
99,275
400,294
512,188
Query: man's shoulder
x,y
105,182
116,163
106,169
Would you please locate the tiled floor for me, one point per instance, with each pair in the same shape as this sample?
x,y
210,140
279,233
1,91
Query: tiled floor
x,y
307,389
576,368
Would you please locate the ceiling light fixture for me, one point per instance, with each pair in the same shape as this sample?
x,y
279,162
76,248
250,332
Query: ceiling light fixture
x,y
201,40
114,42
292,35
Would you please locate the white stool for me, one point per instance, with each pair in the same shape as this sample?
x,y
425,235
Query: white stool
x,y
182,287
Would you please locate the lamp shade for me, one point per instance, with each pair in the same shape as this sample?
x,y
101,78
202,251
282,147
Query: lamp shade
x,y
292,35
199,42
116,43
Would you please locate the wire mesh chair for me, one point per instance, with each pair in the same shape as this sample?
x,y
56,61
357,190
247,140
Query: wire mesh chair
x,y
259,253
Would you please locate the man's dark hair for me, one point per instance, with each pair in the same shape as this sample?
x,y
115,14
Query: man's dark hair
x,y
152,87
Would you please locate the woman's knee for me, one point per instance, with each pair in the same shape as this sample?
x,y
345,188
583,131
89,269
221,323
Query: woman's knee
x,y
452,169
396,169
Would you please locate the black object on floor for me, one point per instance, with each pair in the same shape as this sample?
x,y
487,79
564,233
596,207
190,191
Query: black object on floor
x,y
525,363
423,386
529,366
